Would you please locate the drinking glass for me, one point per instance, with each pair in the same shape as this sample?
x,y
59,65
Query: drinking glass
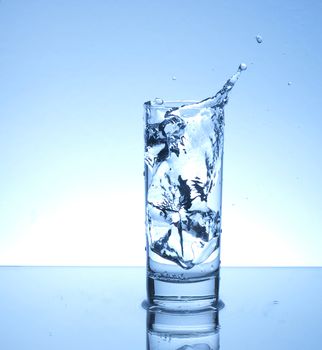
x,y
183,194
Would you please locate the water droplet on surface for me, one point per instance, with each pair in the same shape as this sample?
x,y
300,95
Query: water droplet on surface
x,y
259,39
242,66
275,302
289,83
158,101
174,78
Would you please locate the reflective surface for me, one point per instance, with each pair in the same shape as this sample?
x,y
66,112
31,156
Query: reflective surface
x,y
100,308
168,330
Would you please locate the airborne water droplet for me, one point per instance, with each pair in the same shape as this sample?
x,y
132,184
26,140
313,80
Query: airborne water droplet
x,y
242,66
174,78
259,39
158,101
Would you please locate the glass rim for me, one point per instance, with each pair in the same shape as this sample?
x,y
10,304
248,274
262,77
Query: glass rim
x,y
166,104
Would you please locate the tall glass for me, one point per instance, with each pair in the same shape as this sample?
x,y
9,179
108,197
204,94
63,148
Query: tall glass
x,y
183,191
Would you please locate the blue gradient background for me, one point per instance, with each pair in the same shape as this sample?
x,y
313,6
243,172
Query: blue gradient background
x,y
73,77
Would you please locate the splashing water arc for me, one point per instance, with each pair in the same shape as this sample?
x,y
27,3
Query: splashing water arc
x,y
183,164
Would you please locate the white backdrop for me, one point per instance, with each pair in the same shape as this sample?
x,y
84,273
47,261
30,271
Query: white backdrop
x,y
73,78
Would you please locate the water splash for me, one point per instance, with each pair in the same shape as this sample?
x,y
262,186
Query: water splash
x,y
183,166
218,100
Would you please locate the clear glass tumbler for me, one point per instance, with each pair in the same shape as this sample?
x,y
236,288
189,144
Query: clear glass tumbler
x,y
183,191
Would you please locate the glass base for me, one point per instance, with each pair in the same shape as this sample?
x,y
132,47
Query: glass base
x,y
187,295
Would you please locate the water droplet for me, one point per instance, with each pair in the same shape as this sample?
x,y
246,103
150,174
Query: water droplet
x,y
158,101
242,66
174,78
275,302
259,39
289,83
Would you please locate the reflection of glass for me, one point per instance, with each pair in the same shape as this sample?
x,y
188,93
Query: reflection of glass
x,y
183,185
197,330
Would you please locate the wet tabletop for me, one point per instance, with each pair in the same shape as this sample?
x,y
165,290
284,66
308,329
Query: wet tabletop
x,y
100,308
